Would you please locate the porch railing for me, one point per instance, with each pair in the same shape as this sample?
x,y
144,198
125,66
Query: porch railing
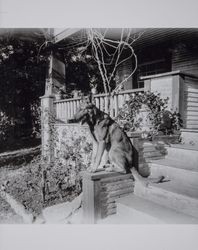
x,y
65,109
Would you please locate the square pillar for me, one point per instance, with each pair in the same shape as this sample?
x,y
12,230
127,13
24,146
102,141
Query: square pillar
x,y
47,117
91,198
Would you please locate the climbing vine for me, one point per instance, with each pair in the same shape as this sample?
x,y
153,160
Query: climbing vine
x,y
67,153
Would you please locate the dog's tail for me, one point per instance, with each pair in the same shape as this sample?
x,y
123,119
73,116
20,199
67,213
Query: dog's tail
x,y
138,178
137,174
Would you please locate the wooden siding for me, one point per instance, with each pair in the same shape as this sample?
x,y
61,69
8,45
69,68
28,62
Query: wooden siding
x,y
186,60
191,103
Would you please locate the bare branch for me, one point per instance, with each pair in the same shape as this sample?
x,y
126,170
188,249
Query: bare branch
x,y
115,57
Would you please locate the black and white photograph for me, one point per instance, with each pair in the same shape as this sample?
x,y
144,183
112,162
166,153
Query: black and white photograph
x,y
99,126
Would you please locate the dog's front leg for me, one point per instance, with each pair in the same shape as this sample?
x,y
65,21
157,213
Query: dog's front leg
x,y
94,153
100,151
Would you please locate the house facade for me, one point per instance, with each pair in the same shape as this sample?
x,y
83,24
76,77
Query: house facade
x,y
167,63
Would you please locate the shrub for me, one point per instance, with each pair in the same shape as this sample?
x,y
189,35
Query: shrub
x,y
71,154
6,127
160,119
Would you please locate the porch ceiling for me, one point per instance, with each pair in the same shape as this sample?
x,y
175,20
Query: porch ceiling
x,y
149,37
25,33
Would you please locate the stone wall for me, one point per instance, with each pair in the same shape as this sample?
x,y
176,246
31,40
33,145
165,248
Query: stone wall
x,y
74,139
73,148
72,135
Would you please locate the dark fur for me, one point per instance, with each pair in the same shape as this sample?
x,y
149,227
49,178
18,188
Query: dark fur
x,y
110,140
111,146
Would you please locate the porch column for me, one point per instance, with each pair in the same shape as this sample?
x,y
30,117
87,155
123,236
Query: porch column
x,y
169,85
47,113
54,86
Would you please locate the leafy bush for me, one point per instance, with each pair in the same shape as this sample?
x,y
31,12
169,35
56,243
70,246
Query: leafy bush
x,y
71,154
61,178
6,127
160,119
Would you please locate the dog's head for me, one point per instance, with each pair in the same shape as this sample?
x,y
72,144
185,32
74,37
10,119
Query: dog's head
x,y
87,113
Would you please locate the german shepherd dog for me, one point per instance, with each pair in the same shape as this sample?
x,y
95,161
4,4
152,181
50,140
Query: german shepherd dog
x,y
112,148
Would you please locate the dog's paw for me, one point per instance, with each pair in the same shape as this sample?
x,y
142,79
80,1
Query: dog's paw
x,y
92,170
109,169
143,183
147,184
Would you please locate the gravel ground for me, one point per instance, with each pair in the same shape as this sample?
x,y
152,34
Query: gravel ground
x,y
19,189
7,214
23,183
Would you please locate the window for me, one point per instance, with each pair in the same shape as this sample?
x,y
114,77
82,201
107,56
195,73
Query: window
x,y
150,68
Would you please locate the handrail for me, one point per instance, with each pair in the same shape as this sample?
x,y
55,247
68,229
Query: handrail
x,y
102,95
68,99
66,108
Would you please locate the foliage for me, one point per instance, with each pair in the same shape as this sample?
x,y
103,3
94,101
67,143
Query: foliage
x,y
40,183
22,74
6,127
159,118
66,156
78,60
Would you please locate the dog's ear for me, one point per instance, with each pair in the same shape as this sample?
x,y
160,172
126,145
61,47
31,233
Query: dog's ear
x,y
96,111
87,100
84,101
90,98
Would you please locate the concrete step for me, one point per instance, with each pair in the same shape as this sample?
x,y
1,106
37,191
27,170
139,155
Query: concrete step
x,y
174,170
173,194
135,210
150,159
151,154
183,153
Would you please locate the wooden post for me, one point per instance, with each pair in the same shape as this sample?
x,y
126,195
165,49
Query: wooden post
x,y
100,191
97,102
147,85
116,105
47,112
72,108
101,103
106,105
91,198
111,107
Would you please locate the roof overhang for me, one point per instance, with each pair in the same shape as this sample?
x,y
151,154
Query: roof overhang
x,y
148,37
61,34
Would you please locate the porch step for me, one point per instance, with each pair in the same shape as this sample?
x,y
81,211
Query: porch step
x,y
151,154
175,170
132,209
173,194
185,154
